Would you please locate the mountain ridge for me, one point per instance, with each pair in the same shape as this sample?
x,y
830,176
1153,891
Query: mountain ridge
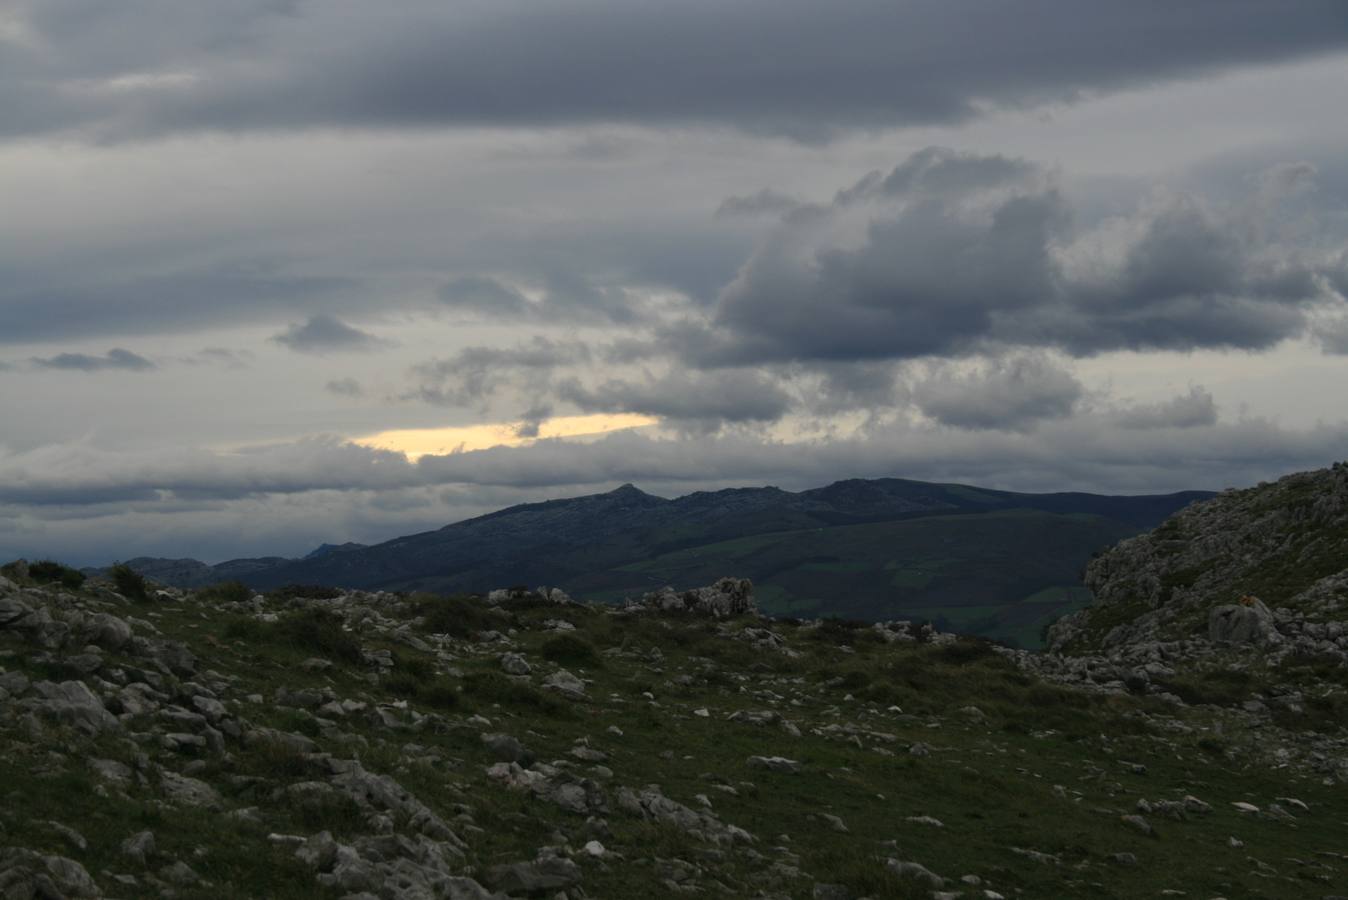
x,y
852,548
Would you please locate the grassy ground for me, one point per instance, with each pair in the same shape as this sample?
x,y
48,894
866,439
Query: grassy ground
x,y
1034,768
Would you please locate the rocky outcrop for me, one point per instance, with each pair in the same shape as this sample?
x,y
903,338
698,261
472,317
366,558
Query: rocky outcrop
x,y
1264,567
1246,622
727,597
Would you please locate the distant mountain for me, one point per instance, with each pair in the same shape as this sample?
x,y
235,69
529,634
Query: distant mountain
x,y
990,562
325,549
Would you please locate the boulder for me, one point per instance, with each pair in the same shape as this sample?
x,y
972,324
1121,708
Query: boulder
x,y
72,703
1247,622
542,875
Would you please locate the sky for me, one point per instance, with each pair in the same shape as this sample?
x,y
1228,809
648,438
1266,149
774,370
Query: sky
x,y
276,273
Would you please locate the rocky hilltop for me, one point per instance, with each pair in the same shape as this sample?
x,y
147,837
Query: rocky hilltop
x,y
1241,599
170,743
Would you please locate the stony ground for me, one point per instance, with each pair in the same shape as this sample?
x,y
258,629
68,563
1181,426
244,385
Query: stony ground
x,y
221,744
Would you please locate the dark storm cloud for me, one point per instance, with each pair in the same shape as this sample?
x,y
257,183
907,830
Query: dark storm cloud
x,y
869,385
326,334
793,67
117,358
473,374
1010,394
703,401
953,254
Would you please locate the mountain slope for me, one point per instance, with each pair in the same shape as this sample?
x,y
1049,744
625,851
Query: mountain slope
x,y
996,563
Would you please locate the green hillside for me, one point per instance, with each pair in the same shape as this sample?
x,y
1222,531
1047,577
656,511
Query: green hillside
x,y
1001,574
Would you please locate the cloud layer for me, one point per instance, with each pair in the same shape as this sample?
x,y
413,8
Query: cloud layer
x,y
797,68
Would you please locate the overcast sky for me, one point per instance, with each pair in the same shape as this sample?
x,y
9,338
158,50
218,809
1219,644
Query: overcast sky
x,y
280,272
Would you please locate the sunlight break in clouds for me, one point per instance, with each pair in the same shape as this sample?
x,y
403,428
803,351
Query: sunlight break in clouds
x,y
418,442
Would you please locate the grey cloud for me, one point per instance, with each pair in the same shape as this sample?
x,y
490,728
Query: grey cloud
x,y
345,387
568,296
117,358
1012,394
475,373
927,279
1086,452
57,303
532,419
1192,410
1286,178
486,296
796,67
952,254
222,356
1333,335
702,400
766,202
326,334
868,385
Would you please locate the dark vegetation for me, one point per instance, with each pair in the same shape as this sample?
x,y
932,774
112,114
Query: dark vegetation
x,y
128,582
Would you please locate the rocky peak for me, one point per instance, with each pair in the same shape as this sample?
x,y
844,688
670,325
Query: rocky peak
x,y
1280,547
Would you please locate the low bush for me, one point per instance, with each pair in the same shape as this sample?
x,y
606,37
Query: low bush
x,y
494,687
1217,687
226,592
570,650
47,571
458,616
320,632
306,592
129,583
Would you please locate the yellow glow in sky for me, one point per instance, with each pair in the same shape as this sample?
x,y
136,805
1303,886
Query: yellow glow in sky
x,y
419,442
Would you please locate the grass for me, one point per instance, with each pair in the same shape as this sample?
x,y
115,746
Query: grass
x,y
989,779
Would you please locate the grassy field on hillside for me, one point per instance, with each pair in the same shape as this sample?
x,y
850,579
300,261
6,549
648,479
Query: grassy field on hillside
x,y
946,755
1001,575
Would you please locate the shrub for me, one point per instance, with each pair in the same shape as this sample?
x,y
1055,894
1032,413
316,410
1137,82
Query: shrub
x,y
47,571
129,582
493,687
568,649
1219,687
461,617
417,667
966,650
306,592
321,632
226,592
